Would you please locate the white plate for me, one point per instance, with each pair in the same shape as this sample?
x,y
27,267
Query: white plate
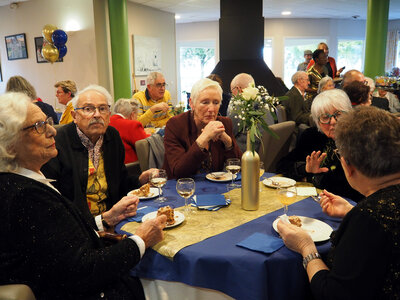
x,y
179,218
281,181
318,230
225,176
153,193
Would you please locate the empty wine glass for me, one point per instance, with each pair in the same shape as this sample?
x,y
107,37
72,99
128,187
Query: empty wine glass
x,y
158,178
185,188
233,167
286,195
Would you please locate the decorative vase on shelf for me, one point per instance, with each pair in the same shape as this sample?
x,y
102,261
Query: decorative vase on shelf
x,y
250,178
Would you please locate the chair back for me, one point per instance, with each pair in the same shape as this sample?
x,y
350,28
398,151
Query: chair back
x,y
16,292
281,113
272,149
142,150
133,168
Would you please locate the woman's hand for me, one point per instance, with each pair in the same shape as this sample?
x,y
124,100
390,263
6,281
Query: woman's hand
x,y
313,163
124,208
212,131
334,205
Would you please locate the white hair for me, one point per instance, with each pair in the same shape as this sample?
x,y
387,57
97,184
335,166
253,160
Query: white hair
x,y
242,80
13,113
152,77
203,84
370,83
322,83
296,76
126,107
327,101
92,87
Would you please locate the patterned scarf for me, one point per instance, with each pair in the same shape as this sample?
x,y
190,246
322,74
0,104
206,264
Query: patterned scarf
x,y
94,150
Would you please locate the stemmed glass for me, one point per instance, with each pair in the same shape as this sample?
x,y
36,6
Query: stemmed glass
x,y
158,178
286,195
262,170
185,188
233,167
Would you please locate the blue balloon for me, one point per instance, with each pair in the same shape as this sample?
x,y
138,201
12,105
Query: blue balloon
x,y
59,38
62,51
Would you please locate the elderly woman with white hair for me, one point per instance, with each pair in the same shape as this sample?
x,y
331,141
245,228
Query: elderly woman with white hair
x,y
314,159
199,141
325,84
130,130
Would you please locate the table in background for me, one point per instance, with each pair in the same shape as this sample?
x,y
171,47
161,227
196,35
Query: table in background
x,y
217,263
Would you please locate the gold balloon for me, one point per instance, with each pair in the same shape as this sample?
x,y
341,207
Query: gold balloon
x,y
50,52
47,32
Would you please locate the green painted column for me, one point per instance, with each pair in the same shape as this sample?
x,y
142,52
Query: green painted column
x,y
120,48
375,37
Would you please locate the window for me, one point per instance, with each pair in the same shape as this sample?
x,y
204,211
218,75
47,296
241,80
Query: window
x,y
195,62
397,63
350,54
267,51
294,55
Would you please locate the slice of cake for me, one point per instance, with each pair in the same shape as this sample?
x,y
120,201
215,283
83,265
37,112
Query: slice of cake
x,y
295,221
169,212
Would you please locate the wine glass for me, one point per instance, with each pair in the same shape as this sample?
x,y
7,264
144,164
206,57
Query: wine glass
x,y
233,167
158,178
262,170
185,188
286,195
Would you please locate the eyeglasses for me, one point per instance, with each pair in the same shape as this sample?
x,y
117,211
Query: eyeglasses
x,y
41,126
236,88
160,85
326,118
90,109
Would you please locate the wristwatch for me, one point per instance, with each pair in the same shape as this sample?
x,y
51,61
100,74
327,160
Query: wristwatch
x,y
309,258
105,224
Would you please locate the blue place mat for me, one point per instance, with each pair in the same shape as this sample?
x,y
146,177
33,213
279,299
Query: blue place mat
x,y
261,242
210,200
140,213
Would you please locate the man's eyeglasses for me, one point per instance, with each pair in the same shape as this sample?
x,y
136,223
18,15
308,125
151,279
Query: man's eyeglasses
x,y
160,85
41,126
326,118
90,109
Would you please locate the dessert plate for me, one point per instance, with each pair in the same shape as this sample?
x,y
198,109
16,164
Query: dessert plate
x,y
152,194
179,218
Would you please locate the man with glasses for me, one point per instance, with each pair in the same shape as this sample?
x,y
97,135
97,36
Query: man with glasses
x,y
89,168
154,102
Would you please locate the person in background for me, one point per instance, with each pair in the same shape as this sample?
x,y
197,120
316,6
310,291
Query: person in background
x,y
313,159
66,90
21,85
130,130
307,58
89,168
394,104
154,102
330,65
359,93
382,103
325,84
352,75
315,73
199,141
45,242
364,260
225,97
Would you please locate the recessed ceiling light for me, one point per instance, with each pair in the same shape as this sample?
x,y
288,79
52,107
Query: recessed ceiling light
x,y
286,13
177,17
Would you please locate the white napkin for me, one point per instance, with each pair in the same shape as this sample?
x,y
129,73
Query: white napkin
x,y
306,191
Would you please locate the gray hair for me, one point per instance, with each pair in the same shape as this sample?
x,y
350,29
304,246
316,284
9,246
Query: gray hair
x,y
203,84
370,83
296,76
92,87
322,83
369,139
242,80
152,77
327,101
126,107
13,113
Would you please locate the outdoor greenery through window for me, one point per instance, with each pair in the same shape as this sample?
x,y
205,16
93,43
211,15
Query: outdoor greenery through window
x,y
267,51
195,63
294,54
350,54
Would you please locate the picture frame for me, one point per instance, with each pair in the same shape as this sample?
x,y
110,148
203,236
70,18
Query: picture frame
x,y
147,54
39,41
16,46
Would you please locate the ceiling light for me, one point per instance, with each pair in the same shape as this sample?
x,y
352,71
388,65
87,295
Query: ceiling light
x,y
286,13
177,17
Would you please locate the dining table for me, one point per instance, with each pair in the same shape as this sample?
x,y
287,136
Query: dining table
x,y
201,255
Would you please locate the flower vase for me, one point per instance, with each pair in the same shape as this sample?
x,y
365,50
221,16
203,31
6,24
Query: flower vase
x,y
250,178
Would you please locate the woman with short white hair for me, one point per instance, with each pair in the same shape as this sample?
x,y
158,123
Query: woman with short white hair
x,y
314,159
325,84
199,141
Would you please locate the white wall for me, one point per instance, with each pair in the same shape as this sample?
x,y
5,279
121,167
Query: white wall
x,y
29,18
146,21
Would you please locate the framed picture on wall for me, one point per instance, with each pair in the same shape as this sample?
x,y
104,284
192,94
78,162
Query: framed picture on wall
x,y
16,46
147,54
38,50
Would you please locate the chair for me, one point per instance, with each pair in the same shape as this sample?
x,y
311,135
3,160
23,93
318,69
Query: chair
x,y
142,151
16,292
272,149
133,168
281,113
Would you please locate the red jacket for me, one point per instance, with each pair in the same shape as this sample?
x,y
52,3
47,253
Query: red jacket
x,y
331,61
130,132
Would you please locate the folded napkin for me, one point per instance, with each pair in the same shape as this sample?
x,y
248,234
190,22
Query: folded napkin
x,y
210,201
306,191
261,242
238,176
140,213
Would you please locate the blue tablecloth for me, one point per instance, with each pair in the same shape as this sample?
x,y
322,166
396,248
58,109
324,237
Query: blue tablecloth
x,y
217,263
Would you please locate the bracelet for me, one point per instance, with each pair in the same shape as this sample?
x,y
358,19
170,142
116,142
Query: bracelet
x,y
309,258
105,224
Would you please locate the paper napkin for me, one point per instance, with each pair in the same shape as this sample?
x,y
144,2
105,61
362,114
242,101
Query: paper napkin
x,y
261,242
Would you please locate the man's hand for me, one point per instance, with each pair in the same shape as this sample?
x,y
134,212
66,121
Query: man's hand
x,y
151,230
334,205
313,163
145,176
159,107
124,208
